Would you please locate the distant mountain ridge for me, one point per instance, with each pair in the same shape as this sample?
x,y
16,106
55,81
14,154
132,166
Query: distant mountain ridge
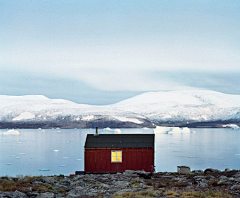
x,y
194,108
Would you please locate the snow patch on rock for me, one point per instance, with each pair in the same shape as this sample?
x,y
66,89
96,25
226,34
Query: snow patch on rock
x,y
87,118
24,116
124,119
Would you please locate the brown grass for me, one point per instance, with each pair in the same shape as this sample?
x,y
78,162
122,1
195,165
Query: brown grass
x,y
136,194
207,194
7,185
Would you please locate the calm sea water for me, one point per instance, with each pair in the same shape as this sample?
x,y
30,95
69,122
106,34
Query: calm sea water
x,y
61,151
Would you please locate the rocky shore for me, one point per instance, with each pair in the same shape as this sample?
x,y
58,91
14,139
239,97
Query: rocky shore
x,y
207,183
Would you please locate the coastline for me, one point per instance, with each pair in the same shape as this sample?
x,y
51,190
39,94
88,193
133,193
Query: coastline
x,y
198,183
68,124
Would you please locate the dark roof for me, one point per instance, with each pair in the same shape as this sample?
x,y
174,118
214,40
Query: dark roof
x,y
120,141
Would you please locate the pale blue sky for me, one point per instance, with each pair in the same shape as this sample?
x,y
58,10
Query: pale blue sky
x,y
101,52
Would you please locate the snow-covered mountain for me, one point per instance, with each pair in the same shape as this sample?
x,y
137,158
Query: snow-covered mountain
x,y
175,108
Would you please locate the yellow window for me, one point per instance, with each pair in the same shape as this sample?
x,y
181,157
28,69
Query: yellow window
x,y
116,156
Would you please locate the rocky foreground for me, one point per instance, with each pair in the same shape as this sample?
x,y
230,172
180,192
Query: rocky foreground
x,y
208,183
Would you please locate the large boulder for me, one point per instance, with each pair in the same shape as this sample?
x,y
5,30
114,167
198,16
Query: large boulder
x,y
18,194
211,170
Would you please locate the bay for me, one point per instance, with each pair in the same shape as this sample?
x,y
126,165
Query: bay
x,y
61,151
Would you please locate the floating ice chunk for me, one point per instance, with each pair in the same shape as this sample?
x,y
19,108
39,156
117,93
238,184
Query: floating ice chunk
x,y
44,169
237,154
175,130
232,126
185,130
56,150
62,165
107,129
17,157
145,128
79,159
64,157
22,153
171,130
11,132
117,131
9,163
160,129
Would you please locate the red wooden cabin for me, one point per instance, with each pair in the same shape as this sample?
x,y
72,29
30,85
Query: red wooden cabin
x,y
110,153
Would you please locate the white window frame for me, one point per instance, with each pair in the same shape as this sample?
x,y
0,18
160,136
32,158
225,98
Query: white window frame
x,y
116,151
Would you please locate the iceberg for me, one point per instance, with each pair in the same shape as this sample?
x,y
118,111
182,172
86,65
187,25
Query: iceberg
x,y
107,129
175,130
11,132
160,129
232,126
117,131
171,130
185,130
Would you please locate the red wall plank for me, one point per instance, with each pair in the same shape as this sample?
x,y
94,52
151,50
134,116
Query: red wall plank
x,y
99,160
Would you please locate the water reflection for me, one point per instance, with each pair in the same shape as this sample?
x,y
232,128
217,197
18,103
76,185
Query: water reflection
x,y
55,151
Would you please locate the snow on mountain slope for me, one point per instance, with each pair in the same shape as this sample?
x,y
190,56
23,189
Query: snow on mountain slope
x,y
192,97
198,105
41,108
17,108
173,106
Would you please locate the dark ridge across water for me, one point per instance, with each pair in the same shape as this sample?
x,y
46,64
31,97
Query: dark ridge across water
x,y
104,124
